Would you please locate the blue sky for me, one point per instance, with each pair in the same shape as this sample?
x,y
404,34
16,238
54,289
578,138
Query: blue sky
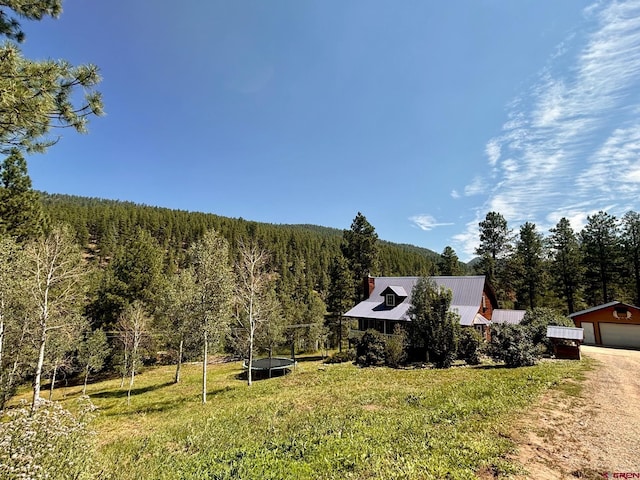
x,y
423,115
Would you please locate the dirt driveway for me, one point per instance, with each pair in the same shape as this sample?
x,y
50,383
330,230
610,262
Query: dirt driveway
x,y
595,435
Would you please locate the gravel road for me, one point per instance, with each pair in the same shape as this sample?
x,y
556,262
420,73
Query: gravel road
x,y
595,435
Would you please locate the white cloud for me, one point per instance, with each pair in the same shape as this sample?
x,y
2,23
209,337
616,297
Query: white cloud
x,y
455,194
466,242
492,151
571,142
476,187
426,222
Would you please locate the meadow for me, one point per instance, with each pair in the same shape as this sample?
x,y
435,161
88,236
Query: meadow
x,y
318,422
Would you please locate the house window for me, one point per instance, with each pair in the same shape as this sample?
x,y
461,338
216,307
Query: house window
x,y
390,300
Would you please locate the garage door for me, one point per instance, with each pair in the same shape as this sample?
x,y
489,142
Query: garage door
x,y
589,337
620,335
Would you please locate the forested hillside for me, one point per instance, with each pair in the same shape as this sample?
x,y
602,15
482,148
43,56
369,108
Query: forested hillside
x,y
103,225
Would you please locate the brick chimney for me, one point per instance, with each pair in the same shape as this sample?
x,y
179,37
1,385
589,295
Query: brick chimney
x,y
368,284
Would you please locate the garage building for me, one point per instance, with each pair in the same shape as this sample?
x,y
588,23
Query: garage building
x,y
613,324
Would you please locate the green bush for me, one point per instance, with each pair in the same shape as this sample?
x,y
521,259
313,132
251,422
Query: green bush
x,y
396,347
513,345
341,357
51,443
433,326
536,322
469,345
371,350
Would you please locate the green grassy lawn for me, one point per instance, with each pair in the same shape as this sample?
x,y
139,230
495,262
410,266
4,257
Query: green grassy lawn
x,y
320,422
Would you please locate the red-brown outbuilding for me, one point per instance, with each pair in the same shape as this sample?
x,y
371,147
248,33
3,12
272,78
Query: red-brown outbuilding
x,y
613,324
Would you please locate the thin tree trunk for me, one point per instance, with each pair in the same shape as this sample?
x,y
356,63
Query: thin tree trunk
x,y
1,345
14,367
86,377
124,367
131,378
177,377
204,370
251,332
340,333
53,381
38,377
249,379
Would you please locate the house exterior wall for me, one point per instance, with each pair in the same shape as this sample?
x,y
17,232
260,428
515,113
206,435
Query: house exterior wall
x,y
486,305
606,315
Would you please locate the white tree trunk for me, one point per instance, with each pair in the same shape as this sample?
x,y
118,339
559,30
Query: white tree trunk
x,y
1,344
38,376
131,378
124,366
53,382
204,370
179,365
86,377
251,334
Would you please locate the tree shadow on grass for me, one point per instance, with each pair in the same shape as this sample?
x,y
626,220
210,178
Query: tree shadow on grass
x,y
122,393
162,406
499,366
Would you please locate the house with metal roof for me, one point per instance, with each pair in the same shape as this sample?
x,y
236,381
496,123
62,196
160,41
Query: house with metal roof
x,y
513,317
387,301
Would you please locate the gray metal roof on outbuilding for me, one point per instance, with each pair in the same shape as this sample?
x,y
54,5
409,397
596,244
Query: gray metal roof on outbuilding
x,y
565,333
596,308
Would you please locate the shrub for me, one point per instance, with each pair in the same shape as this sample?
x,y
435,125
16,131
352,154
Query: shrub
x,y
50,443
371,350
537,320
513,345
433,325
396,347
469,344
341,357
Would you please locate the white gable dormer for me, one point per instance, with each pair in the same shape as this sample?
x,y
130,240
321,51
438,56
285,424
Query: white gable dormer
x,y
393,295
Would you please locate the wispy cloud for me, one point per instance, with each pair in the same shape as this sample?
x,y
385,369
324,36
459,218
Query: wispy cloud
x,y
570,145
426,222
493,151
476,187
455,194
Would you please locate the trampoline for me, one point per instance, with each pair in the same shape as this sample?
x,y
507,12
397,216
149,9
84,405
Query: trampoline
x,y
269,365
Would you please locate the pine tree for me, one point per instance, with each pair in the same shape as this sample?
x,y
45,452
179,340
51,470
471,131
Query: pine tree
x,y
631,250
340,298
39,95
20,209
359,247
449,264
529,263
601,256
494,250
566,263
134,274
